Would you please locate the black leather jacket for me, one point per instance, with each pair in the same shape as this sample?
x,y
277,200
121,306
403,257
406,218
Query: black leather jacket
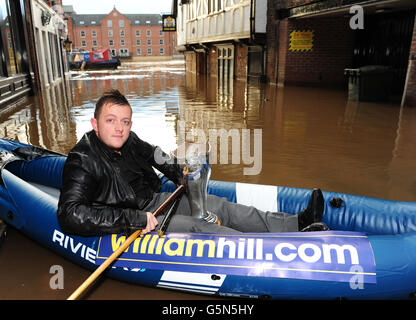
x,y
103,192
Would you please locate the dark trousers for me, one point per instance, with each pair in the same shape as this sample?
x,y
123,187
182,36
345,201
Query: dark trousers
x,y
234,217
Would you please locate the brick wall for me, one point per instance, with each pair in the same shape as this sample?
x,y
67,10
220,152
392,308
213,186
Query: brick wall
x,y
272,42
324,65
333,45
212,63
331,54
240,61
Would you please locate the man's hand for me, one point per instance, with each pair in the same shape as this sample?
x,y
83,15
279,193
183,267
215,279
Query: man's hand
x,y
185,171
151,223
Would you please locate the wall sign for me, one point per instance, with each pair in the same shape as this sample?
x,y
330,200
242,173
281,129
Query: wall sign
x,y
169,22
301,40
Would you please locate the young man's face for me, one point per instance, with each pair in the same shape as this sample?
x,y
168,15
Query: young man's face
x,y
113,124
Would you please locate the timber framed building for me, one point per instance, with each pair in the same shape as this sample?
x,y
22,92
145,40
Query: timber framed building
x,y
223,38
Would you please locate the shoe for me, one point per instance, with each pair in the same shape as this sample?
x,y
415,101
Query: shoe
x,y
314,211
316,226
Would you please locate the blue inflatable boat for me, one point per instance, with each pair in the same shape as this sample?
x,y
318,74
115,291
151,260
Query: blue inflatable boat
x,y
369,253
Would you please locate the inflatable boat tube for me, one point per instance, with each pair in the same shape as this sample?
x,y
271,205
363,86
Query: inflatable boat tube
x,y
369,253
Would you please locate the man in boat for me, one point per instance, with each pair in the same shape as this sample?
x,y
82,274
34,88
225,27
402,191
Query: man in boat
x,y
109,186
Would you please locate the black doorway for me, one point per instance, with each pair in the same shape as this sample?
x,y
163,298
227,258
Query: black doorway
x,y
385,40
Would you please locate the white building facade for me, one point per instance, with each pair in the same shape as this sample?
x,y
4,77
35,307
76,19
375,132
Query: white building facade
x,y
223,38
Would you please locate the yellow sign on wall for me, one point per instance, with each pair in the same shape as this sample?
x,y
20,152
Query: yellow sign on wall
x,y
301,40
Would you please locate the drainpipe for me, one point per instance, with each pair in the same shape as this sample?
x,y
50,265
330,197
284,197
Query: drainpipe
x,y
409,68
251,19
276,52
253,40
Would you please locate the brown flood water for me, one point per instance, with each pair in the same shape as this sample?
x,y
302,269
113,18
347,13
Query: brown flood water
x,y
310,137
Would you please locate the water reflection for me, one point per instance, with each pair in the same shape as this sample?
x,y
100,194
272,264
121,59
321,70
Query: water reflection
x,y
402,166
44,120
151,90
311,137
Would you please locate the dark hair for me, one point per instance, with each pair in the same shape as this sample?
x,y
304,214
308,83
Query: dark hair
x,y
113,96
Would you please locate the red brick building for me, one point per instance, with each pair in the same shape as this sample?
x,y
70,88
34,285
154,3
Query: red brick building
x,y
126,35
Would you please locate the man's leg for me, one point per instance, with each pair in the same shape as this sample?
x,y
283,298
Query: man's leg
x,y
159,198
182,220
234,216
181,223
249,219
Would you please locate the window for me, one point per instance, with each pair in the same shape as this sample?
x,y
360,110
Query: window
x,y
110,33
113,52
137,33
148,21
94,43
161,42
149,51
81,22
148,33
82,34
162,51
124,52
111,42
161,33
94,33
137,22
121,23
121,33
139,52
149,42
138,42
122,42
92,22
83,43
109,23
